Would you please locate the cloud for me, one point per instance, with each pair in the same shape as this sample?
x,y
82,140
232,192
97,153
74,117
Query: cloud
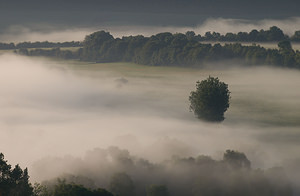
x,y
223,25
19,33
43,32
52,108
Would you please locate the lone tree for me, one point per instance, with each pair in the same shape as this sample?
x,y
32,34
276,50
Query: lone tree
x,y
210,100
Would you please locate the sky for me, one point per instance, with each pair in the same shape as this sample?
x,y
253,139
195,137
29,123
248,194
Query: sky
x,y
44,15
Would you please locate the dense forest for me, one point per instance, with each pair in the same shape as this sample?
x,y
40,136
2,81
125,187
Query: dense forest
x,y
174,50
274,34
125,175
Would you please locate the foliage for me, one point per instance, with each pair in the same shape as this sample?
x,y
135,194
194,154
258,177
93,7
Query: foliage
x,y
45,44
193,176
271,35
170,49
157,190
62,188
14,182
121,185
285,45
55,52
236,159
210,100
296,37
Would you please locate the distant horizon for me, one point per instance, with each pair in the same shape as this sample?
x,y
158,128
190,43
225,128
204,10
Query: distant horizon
x,y
21,33
44,16
150,107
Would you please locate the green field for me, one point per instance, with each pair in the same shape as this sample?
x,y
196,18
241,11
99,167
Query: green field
x,y
265,105
260,95
254,97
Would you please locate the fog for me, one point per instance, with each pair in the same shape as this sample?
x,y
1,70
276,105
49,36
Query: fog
x,y
225,25
20,33
62,110
46,32
221,25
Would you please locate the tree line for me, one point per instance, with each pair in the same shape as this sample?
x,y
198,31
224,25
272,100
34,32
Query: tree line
x,y
45,44
15,182
126,175
273,34
200,175
169,49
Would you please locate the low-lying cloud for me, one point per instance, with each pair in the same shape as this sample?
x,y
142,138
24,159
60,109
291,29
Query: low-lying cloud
x,y
19,33
223,25
56,108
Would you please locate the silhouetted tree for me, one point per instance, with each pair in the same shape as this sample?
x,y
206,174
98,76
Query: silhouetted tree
x,y
62,188
296,36
210,100
236,159
13,182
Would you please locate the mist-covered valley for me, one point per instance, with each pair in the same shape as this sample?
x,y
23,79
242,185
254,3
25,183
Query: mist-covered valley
x,y
101,98
59,117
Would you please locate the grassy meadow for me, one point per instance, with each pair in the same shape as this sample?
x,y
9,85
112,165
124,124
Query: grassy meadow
x,y
258,96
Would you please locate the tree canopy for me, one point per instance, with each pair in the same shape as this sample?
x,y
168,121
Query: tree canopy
x,y
122,185
14,181
167,49
210,100
178,176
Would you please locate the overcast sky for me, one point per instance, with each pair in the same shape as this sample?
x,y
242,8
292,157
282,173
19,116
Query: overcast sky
x,y
42,15
140,12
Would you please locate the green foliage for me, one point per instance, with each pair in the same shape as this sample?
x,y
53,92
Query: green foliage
x,y
157,190
210,100
46,44
62,188
285,45
178,49
96,44
181,49
237,160
297,58
192,176
296,37
234,177
14,182
121,185
271,35
55,52
289,58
